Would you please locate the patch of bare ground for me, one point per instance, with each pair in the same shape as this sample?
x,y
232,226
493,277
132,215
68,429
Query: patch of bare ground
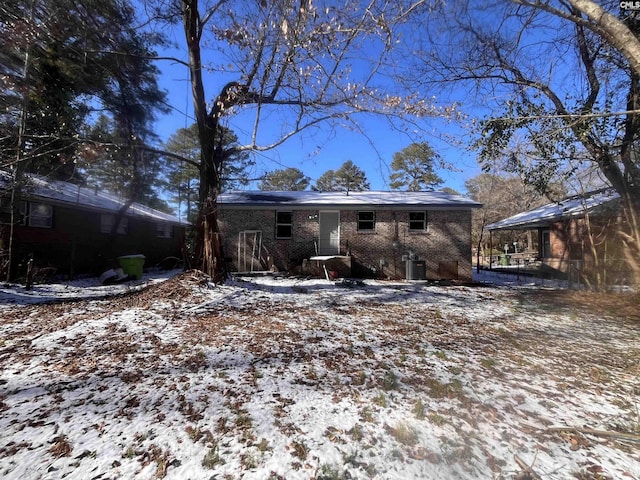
x,y
623,306
186,286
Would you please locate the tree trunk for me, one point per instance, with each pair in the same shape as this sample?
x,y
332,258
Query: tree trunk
x,y
19,168
208,249
209,256
15,215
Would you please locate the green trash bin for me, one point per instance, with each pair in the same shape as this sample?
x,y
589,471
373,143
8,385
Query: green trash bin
x,y
504,259
132,265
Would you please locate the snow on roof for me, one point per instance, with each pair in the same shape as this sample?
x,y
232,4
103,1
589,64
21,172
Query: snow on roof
x,y
546,214
72,194
343,199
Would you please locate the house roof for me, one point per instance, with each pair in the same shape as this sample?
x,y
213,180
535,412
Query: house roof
x,y
56,191
368,199
544,216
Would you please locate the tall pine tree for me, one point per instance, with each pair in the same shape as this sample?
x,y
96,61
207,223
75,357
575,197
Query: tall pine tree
x,y
62,60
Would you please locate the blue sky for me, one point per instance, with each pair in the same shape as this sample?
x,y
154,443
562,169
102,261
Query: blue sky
x,y
317,151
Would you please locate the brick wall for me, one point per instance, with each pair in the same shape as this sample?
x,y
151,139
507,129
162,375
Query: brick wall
x,y
284,253
447,239
592,243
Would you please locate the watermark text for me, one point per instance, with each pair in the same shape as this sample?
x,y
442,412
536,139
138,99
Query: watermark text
x,y
629,5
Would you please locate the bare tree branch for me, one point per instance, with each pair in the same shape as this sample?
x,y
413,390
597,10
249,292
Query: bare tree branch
x,y
599,21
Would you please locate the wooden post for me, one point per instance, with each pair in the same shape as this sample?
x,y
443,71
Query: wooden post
x,y
490,250
30,272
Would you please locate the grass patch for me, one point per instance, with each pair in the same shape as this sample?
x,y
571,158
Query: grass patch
x,y
366,414
403,434
263,445
361,378
299,449
250,460
488,362
390,381
130,452
380,400
243,420
419,410
437,419
441,355
212,457
438,389
356,433
329,472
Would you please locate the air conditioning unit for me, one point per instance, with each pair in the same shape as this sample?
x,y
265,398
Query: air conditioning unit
x,y
416,270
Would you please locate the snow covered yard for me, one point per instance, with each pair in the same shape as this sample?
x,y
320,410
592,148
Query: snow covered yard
x,y
275,378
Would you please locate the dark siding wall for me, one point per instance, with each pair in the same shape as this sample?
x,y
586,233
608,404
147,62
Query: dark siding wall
x,y
75,242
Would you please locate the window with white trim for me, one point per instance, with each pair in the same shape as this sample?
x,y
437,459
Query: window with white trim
x,y
40,215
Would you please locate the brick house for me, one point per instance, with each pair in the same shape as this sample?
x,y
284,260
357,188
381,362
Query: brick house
x,y
578,232
73,229
364,234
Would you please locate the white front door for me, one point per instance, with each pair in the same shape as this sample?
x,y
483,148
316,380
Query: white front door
x,y
329,241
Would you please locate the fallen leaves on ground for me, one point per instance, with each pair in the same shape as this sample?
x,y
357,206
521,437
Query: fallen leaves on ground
x,y
286,378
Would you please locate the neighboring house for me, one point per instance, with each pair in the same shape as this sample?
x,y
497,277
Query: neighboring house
x,y
82,230
577,232
366,233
